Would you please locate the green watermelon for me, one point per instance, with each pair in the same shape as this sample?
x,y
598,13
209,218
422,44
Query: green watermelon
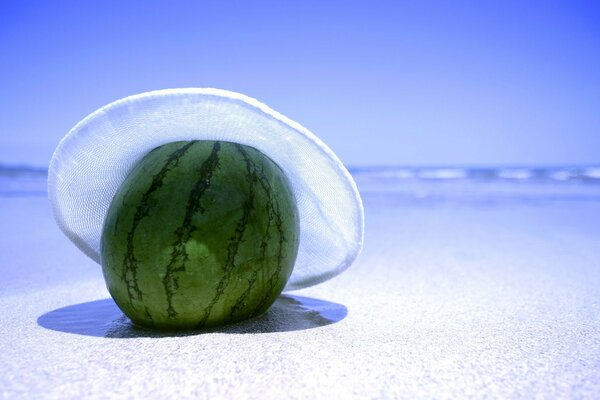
x,y
200,234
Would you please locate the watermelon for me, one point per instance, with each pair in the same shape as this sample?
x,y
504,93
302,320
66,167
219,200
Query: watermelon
x,y
200,234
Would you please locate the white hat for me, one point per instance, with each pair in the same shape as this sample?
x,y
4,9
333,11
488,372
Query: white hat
x,y
95,157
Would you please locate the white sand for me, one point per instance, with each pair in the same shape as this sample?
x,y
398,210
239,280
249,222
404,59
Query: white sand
x,y
450,299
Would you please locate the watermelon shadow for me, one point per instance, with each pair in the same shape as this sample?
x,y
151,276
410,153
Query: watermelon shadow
x,y
102,318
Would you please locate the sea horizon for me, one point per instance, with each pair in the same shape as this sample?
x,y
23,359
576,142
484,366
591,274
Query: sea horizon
x,y
410,184
449,171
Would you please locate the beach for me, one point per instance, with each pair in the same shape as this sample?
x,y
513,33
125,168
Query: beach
x,y
466,287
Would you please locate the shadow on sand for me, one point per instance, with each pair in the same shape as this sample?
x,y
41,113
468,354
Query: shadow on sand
x,y
103,318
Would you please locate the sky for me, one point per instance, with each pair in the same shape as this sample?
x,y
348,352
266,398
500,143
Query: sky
x,y
424,83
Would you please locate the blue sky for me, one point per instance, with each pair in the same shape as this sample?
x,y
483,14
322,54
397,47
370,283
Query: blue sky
x,y
392,83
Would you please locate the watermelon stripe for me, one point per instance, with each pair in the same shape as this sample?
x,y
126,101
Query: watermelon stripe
x,y
148,315
179,255
240,303
235,241
276,275
130,264
274,214
258,175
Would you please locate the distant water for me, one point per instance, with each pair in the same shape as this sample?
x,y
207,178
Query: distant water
x,y
410,183
477,186
19,180
590,174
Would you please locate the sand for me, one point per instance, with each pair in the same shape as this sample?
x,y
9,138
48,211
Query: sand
x,y
459,292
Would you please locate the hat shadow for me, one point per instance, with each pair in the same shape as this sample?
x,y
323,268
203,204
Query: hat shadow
x,y
102,318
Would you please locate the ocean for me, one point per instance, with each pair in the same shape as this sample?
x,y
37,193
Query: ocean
x,y
409,183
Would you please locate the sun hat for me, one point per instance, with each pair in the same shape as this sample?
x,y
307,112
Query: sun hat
x,y
96,156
